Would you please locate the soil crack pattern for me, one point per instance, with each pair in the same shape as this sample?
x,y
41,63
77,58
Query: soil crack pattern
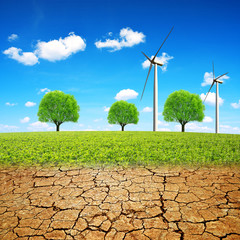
x,y
120,203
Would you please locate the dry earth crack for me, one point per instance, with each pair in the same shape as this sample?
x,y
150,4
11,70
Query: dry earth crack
x,y
120,203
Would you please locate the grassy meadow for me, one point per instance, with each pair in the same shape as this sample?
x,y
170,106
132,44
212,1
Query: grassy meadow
x,y
118,148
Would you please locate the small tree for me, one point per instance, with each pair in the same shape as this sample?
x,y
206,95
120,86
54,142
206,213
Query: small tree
x,y
182,106
58,107
123,113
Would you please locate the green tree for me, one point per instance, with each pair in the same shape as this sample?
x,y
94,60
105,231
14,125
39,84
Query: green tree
x,y
123,113
182,106
58,107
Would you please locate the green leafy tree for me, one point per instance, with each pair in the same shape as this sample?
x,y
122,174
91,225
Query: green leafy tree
x,y
182,106
58,107
123,113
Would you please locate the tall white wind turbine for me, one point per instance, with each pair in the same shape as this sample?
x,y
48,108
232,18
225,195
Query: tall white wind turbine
x,y
216,80
154,62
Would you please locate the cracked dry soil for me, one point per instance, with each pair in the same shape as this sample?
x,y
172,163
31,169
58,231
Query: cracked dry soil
x,y
120,203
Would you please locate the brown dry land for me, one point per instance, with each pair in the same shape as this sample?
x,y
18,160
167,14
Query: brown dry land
x,y
119,203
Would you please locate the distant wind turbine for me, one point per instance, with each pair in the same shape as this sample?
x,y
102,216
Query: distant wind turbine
x,y
154,62
216,80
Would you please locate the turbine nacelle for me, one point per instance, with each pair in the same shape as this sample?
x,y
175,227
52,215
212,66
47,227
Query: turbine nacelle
x,y
153,61
158,63
218,81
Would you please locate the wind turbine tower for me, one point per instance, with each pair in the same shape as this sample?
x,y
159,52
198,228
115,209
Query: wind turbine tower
x,y
216,80
154,62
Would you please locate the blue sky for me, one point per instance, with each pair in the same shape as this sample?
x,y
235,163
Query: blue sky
x,y
92,49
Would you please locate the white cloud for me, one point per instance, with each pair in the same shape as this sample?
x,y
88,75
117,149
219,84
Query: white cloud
x,y
229,129
162,123
236,105
89,129
164,59
126,94
10,104
98,120
12,37
26,58
106,109
30,104
44,90
211,99
38,126
164,129
208,78
147,109
25,120
128,38
225,126
80,125
207,119
55,50
194,127
7,127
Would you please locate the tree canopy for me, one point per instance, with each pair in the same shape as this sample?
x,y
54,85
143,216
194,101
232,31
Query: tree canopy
x,y
57,107
182,106
123,113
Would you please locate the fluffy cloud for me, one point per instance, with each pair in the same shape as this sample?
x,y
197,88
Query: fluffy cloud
x,y
53,50
7,128
208,78
25,120
162,123
126,94
147,109
30,104
26,58
44,90
164,129
207,119
164,59
12,37
236,105
60,49
128,38
106,109
229,129
10,104
98,120
39,126
211,99
194,127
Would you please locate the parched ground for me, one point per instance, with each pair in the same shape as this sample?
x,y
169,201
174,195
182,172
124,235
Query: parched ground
x,y
131,203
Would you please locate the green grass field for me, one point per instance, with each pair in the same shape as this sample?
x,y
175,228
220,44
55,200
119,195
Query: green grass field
x,y
118,148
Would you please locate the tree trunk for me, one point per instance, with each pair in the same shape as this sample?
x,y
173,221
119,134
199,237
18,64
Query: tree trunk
x,y
183,127
123,127
57,127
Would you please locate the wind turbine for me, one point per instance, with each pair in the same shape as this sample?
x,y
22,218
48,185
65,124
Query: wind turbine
x,y
154,62
216,80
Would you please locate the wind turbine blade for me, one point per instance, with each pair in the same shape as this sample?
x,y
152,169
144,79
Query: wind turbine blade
x,y
213,70
208,91
220,76
162,44
146,56
146,80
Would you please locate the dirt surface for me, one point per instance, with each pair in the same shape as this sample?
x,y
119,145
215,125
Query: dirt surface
x,y
137,203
